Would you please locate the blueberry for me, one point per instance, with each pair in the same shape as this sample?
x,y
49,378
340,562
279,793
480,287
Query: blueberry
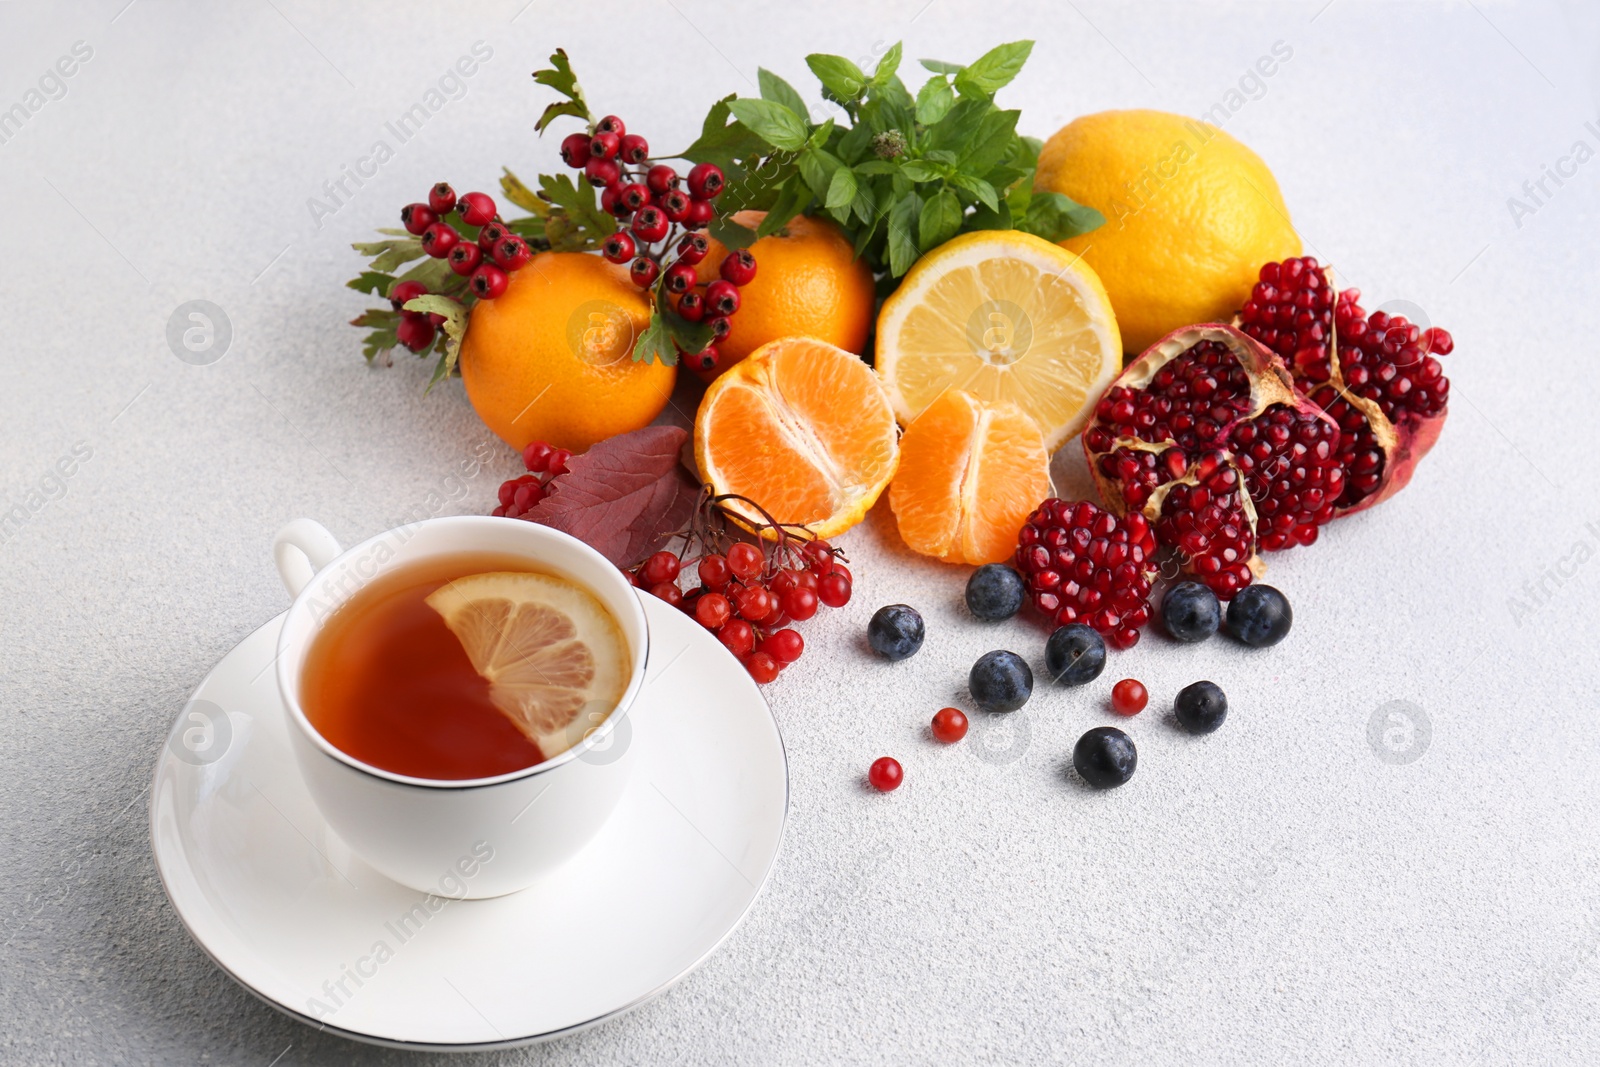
x,y
1105,757
1075,654
1201,707
995,592
1190,612
1260,616
896,631
1000,681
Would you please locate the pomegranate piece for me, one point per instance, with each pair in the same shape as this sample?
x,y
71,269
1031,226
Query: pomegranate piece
x,y
1084,564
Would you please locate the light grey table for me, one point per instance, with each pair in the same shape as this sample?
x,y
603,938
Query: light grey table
x,y
1280,892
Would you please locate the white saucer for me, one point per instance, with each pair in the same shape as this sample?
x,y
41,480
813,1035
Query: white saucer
x,y
281,904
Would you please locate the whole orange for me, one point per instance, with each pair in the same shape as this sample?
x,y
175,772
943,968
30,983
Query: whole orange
x,y
551,358
808,283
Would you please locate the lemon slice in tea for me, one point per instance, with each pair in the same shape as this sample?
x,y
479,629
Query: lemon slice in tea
x,y
555,659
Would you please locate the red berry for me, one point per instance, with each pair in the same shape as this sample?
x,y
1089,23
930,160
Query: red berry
x,y
705,181
512,253
692,306
414,331
464,258
660,567
785,646
439,239
693,248
441,198
706,359
618,247
650,224
784,581
634,149
536,457
722,297
660,178
1128,697
632,196
604,146
680,278
720,325
885,774
643,272
713,572
417,218
675,204
404,291
528,492
806,580
745,560
489,281
602,172
575,150
819,557
610,124
949,725
509,487
739,268
762,667
477,209
609,203
700,215
557,463
800,603
833,590
712,609
667,591
736,636
753,602
491,234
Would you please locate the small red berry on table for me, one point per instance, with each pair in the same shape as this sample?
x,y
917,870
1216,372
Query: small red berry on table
x,y
737,636
885,774
949,725
762,667
834,590
1129,696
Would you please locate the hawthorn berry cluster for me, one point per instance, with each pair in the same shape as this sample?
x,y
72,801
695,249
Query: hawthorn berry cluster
x,y
519,495
664,216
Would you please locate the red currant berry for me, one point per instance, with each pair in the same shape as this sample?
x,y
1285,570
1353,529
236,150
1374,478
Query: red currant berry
x,y
527,494
700,215
693,248
643,271
442,198
633,196
819,557
706,359
477,209
720,325
464,258
660,178
634,149
666,591
785,646
1129,696
680,278
806,580
557,463
745,560
762,667
705,181
602,172
439,239
650,224
575,150
712,609
737,636
661,567
536,457
417,218
784,581
754,602
886,774
604,146
618,247
610,124
739,268
491,235
692,306
800,603
489,281
833,590
512,253
713,571
404,291
949,725
414,331
507,488
675,204
722,297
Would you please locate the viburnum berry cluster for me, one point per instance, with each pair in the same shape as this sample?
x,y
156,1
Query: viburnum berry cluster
x,y
665,216
518,495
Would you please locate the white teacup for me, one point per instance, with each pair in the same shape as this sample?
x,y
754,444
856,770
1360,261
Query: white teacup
x,y
494,835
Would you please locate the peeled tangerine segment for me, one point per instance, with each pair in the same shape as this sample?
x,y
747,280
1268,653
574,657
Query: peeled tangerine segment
x,y
970,474
555,659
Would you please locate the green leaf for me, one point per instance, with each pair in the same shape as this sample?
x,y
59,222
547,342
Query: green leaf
x,y
776,124
723,142
940,220
1056,217
792,199
841,189
730,233
562,80
382,322
986,219
521,195
838,75
996,134
955,131
778,91
865,205
580,207
902,228
994,69
690,337
387,255
934,100
979,188
939,66
816,168
436,275
819,136
371,281
856,144
655,343
887,65
454,327
919,170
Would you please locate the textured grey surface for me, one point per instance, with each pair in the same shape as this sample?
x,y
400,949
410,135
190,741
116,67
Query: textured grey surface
x,y
1272,893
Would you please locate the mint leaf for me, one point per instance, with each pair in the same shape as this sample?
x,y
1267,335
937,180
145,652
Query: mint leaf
x,y
371,281
940,220
1056,217
978,188
776,124
994,69
955,131
793,197
919,170
993,140
838,75
655,343
723,142
841,190
520,195
817,167
939,66
887,65
934,100
778,91
562,80
902,227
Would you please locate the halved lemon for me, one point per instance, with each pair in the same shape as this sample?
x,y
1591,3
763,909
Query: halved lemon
x,y
1008,317
555,659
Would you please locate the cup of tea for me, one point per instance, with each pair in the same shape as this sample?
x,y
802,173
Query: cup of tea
x,y
457,692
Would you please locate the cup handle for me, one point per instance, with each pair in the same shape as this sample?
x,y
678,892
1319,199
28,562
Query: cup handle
x,y
300,550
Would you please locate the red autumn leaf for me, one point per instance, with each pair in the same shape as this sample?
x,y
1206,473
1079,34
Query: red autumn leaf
x,y
625,496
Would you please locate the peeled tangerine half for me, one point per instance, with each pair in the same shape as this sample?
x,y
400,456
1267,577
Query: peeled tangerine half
x,y
970,473
801,428
1008,317
555,659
